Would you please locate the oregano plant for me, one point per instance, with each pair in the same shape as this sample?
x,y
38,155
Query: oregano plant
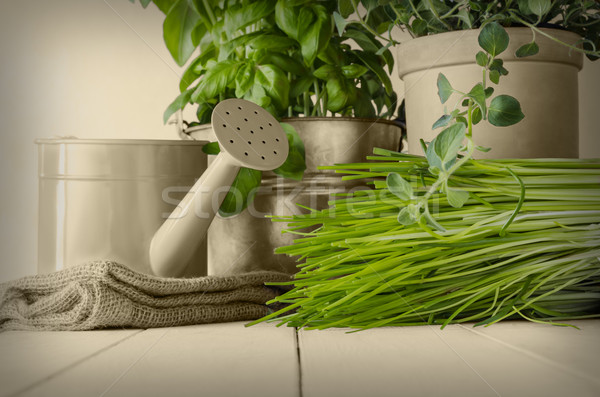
x,y
454,145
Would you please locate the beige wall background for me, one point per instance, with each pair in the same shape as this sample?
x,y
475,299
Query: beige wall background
x,y
99,69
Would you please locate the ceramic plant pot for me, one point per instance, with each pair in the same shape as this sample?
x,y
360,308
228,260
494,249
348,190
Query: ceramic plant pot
x,y
104,199
544,84
246,241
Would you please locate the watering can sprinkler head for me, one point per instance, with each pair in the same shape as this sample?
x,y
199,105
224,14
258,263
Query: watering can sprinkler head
x,y
249,137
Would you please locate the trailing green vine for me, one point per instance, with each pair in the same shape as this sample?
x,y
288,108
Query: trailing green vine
x,y
454,145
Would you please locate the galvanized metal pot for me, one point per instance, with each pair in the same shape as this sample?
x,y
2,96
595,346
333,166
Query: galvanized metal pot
x,y
104,199
246,241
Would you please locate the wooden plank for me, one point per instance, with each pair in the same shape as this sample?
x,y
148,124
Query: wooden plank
x,y
28,358
576,351
426,361
213,360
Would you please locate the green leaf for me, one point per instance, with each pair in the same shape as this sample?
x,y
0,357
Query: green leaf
x,y
295,164
539,7
242,192
443,150
275,83
326,72
399,187
482,58
406,216
286,18
524,7
191,74
456,197
244,80
369,43
237,18
477,94
442,121
493,39
353,71
301,85
444,88
258,95
338,94
285,63
498,64
476,115
505,110
345,8
363,105
340,23
489,91
465,17
216,80
419,27
271,42
372,62
314,32
178,103
494,76
527,50
211,148
177,30
163,5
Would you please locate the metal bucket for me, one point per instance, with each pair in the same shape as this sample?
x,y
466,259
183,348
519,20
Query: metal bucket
x,y
246,241
104,199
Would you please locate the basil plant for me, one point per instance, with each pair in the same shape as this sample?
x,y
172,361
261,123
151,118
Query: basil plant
x,y
292,57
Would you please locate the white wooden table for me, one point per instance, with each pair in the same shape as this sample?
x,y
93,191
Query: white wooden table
x,y
506,359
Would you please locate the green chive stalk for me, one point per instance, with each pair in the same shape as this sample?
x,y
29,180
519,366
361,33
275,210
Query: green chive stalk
x,y
443,238
525,244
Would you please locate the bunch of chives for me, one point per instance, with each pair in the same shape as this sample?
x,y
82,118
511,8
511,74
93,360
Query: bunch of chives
x,y
526,244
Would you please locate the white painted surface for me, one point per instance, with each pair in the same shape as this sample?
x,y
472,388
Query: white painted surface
x,y
30,358
427,361
208,360
506,359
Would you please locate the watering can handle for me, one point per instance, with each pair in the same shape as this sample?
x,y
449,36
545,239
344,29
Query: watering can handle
x,y
176,241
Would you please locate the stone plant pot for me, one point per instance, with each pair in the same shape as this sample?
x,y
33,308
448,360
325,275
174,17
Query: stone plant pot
x,y
246,242
544,84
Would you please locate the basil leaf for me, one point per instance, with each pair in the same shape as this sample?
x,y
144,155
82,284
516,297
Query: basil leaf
x,y
177,104
353,71
216,80
275,83
211,148
295,164
177,28
242,192
237,18
244,80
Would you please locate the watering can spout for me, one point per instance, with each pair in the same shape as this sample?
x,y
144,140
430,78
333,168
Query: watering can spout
x,y
248,137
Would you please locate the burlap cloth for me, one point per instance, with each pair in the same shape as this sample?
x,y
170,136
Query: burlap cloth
x,y
107,294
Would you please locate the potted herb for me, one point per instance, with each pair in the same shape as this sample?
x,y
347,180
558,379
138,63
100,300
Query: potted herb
x,y
287,57
552,35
